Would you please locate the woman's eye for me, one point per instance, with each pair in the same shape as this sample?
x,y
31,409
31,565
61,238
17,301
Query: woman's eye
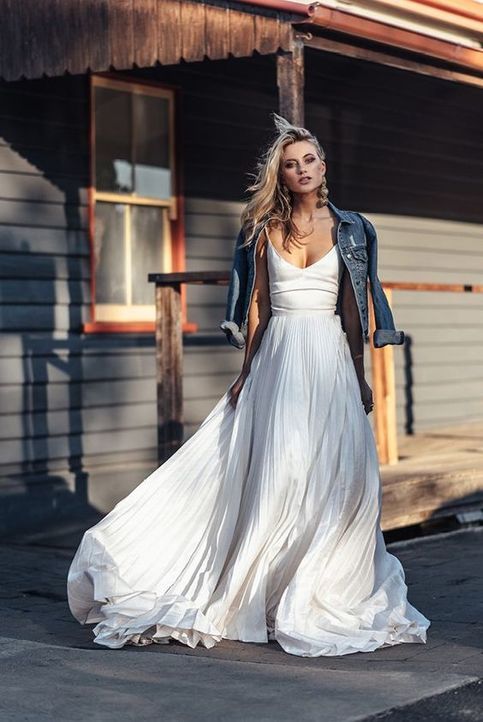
x,y
308,160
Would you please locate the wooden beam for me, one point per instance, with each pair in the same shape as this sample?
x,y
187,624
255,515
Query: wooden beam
x,y
290,81
169,352
168,279
383,381
169,369
349,50
364,29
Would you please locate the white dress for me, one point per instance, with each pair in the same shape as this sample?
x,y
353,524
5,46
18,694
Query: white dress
x,y
265,524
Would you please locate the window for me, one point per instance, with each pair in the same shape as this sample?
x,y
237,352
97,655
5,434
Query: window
x,y
133,197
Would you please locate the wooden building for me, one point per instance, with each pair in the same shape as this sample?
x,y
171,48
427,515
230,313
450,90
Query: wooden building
x,y
127,133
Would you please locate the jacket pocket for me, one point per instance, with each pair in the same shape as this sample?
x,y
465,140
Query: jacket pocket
x,y
359,253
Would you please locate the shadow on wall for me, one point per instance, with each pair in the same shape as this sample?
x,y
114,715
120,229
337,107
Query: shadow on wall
x,y
66,398
43,463
408,385
58,392
52,375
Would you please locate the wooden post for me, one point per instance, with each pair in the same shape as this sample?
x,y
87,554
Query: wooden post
x,y
169,352
384,387
290,81
169,361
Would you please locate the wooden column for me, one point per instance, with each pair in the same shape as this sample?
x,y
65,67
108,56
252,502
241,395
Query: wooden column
x,y
290,81
169,351
384,393
169,369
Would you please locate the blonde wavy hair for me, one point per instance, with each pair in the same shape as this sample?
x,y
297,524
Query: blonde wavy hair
x,y
271,200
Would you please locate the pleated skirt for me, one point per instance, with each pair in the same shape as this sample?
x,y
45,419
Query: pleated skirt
x,y
264,525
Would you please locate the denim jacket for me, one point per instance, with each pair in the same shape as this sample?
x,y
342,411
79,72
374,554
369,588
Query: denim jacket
x,y
357,241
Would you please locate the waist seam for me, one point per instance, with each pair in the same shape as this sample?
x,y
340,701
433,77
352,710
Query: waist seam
x,y
303,312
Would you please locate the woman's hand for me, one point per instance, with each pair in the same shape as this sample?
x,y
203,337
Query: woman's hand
x,y
366,395
236,387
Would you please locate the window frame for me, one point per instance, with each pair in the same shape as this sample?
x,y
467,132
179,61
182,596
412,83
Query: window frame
x,y
174,252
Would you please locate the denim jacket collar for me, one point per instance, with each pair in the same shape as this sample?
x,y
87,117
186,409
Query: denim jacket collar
x,y
358,245
345,216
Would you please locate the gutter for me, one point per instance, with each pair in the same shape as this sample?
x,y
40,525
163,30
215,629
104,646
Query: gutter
x,y
353,20
465,8
290,6
435,12
387,34
464,14
418,17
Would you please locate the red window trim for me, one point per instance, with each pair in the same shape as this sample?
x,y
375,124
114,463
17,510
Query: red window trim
x,y
130,327
178,240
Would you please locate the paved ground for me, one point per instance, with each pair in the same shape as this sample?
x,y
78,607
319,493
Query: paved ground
x,y
51,670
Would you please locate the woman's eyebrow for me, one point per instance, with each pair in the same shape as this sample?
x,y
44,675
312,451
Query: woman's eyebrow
x,y
286,159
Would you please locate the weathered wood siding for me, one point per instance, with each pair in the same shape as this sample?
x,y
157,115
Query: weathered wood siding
x,y
75,37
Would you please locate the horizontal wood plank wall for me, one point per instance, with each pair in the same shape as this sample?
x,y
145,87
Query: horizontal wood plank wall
x,y
397,150
68,400
439,374
407,151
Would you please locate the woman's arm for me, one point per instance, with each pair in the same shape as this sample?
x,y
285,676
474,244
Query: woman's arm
x,y
259,311
352,326
259,314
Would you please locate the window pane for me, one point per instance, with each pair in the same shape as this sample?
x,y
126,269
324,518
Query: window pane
x,y
147,250
109,253
152,170
113,133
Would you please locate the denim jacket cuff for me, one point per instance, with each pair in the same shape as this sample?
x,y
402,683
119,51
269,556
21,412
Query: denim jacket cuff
x,y
233,333
383,336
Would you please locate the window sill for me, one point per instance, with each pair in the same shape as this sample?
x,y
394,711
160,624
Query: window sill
x,y
101,327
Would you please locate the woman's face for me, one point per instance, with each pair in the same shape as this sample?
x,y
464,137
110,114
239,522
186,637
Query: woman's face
x,y
301,170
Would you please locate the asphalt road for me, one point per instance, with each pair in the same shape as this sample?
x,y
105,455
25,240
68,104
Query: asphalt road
x,y
50,669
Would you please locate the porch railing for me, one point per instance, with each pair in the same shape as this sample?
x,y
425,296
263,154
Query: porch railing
x,y
169,359
383,378
169,351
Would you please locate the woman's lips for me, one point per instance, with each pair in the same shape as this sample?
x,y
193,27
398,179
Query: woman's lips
x,y
304,180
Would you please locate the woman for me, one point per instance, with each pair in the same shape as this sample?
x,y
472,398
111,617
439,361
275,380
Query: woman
x,y
265,524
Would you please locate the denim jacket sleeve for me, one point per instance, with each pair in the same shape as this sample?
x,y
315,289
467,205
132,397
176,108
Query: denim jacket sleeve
x,y
385,332
236,294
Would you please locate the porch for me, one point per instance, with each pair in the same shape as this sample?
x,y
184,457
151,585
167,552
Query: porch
x,y
439,474
403,140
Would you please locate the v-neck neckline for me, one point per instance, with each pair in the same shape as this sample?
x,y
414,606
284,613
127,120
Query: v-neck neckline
x,y
298,268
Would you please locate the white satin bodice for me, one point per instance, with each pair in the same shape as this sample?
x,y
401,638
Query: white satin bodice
x,y
298,290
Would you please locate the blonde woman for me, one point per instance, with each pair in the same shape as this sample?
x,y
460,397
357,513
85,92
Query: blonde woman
x,y
265,524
